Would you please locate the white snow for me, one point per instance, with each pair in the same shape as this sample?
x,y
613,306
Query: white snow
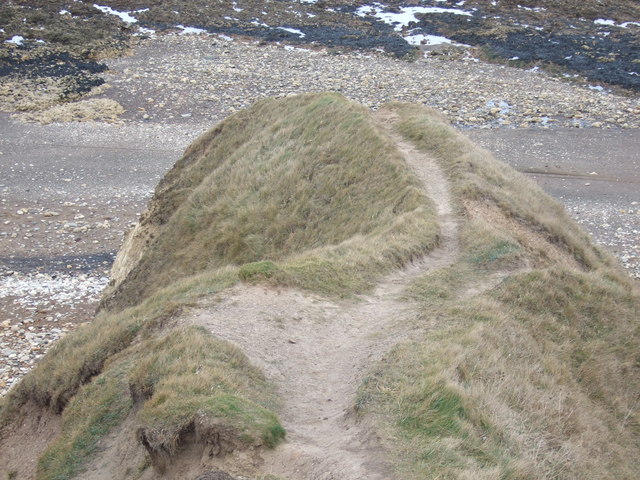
x,y
612,23
64,12
293,30
191,30
146,31
406,15
421,39
16,40
596,87
124,16
534,9
291,48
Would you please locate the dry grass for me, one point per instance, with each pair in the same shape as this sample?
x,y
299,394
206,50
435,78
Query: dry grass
x,y
102,110
301,191
185,382
477,176
77,358
305,182
537,377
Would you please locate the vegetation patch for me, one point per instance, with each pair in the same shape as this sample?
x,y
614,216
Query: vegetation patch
x,y
189,387
103,110
98,407
79,357
306,182
477,177
527,366
257,270
301,191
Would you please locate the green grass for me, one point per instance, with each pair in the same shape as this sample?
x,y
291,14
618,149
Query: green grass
x,y
257,270
97,408
188,375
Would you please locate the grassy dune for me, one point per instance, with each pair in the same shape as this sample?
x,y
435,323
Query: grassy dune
x,y
527,365
307,183
302,191
535,376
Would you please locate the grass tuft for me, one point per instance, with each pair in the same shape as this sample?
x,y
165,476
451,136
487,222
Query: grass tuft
x,y
257,270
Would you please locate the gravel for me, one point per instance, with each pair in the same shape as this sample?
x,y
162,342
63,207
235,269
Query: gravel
x,y
186,78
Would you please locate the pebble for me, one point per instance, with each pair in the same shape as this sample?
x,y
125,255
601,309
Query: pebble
x,y
23,340
178,73
21,347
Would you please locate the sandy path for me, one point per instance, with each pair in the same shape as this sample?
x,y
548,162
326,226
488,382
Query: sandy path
x,y
318,351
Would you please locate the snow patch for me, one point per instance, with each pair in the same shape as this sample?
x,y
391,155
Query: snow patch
x,y
426,40
146,31
292,30
406,16
191,30
16,40
124,16
532,9
612,23
291,48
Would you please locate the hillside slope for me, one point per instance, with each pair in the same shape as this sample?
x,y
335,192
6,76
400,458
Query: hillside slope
x,y
320,292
